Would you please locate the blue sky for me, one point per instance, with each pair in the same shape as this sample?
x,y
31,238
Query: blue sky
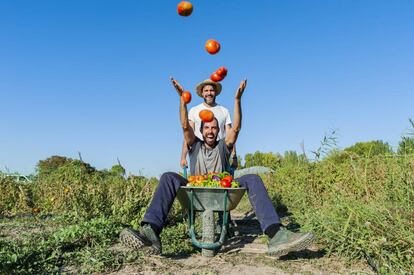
x,y
92,76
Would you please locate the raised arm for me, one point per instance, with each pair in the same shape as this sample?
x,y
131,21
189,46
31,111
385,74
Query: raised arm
x,y
184,151
231,136
188,131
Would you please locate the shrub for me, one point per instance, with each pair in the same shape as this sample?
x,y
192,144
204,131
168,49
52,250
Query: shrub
x,y
370,148
14,196
270,160
53,163
406,146
75,188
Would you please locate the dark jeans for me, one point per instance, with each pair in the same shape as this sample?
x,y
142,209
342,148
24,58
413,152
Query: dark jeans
x,y
170,183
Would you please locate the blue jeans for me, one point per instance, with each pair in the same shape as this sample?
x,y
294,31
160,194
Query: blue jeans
x,y
170,183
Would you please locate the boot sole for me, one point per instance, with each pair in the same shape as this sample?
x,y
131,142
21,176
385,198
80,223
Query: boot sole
x,y
299,245
131,239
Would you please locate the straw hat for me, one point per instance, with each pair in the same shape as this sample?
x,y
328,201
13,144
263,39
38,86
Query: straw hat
x,y
216,85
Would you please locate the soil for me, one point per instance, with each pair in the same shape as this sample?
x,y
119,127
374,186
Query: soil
x,y
246,254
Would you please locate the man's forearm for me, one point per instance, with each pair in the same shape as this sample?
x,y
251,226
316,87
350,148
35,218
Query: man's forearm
x,y
184,151
237,116
184,115
189,136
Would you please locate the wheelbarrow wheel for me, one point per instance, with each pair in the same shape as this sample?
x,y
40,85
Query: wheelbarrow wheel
x,y
208,232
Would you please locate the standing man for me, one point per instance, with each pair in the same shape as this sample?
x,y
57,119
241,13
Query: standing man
x,y
212,155
208,90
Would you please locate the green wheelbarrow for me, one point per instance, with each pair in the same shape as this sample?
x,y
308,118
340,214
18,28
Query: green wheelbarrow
x,y
209,200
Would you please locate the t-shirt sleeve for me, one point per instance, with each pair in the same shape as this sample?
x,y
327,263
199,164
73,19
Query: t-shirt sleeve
x,y
228,118
192,147
224,145
191,114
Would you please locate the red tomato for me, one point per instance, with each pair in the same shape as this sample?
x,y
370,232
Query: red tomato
x,y
216,78
225,183
228,178
185,8
186,96
206,115
212,46
222,71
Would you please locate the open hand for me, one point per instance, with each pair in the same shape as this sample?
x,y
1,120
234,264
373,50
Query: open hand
x,y
177,86
241,88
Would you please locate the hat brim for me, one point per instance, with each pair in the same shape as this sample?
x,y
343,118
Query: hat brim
x,y
217,87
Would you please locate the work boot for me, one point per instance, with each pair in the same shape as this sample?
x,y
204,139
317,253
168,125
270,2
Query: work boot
x,y
286,241
146,236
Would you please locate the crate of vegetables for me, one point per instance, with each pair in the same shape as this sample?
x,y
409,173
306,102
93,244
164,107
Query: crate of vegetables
x,y
215,191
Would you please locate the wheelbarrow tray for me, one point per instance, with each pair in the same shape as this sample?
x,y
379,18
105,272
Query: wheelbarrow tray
x,y
211,198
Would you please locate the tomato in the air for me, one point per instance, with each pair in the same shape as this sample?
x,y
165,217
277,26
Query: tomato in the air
x,y
225,183
185,8
186,96
216,78
222,71
206,115
212,46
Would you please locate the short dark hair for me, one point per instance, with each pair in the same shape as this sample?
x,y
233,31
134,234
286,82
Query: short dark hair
x,y
202,125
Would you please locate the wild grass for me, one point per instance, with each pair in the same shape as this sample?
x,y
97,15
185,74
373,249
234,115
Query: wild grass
x,y
360,207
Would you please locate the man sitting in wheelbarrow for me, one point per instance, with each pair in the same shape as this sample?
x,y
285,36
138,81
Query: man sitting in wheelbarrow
x,y
211,155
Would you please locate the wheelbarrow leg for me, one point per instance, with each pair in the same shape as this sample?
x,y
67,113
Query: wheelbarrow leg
x,y
208,232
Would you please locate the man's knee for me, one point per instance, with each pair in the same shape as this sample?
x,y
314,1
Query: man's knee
x,y
169,178
250,178
168,175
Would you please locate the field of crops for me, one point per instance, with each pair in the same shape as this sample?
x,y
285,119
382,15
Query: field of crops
x,y
67,219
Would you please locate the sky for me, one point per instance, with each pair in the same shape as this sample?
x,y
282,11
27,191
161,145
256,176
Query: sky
x,y
92,76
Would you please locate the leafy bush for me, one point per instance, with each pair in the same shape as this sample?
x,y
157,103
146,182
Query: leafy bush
x,y
370,148
270,160
406,146
85,194
14,196
118,170
53,163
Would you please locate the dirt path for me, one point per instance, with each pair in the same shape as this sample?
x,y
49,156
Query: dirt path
x,y
243,263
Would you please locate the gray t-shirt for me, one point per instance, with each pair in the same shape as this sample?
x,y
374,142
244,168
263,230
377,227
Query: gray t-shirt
x,y
204,160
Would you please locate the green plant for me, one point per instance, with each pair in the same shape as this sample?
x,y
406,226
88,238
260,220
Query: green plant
x,y
370,148
360,208
14,196
270,160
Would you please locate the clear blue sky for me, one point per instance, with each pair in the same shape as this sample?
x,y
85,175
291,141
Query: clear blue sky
x,y
92,76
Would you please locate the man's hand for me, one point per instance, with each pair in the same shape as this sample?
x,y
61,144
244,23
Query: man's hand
x,y
177,86
241,88
183,163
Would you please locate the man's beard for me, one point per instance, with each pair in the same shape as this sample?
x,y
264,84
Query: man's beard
x,y
212,141
213,100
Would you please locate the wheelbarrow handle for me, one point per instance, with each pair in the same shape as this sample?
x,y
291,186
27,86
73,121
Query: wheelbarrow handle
x,y
185,172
